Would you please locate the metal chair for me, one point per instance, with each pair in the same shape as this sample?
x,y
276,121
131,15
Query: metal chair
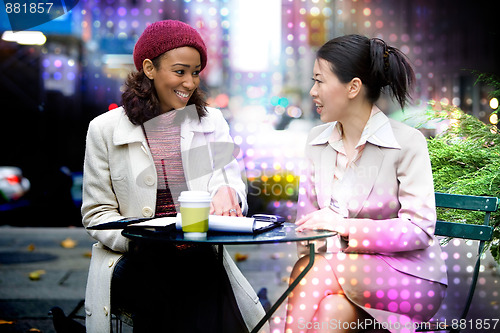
x,y
481,233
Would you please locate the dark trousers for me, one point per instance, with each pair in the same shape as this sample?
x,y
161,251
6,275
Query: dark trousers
x,y
168,289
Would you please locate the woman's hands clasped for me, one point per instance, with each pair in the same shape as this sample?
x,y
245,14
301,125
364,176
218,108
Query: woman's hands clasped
x,y
225,202
323,219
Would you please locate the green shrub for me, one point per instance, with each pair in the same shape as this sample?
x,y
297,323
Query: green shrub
x,y
466,160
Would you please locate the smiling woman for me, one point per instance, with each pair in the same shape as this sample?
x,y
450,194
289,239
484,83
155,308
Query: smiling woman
x,y
176,76
138,160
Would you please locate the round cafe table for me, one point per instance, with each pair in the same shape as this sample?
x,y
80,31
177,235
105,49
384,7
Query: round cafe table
x,y
282,233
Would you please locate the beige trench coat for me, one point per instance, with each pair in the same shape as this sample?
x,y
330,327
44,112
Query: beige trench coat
x,y
120,181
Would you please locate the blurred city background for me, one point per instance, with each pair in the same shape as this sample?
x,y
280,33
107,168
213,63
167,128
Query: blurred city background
x,y
56,77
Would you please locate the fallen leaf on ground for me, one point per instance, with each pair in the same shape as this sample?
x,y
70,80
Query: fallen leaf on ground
x,y
88,254
36,275
277,255
240,257
68,243
6,322
34,330
31,247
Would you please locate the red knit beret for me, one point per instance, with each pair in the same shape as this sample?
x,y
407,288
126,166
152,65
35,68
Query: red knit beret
x,y
163,36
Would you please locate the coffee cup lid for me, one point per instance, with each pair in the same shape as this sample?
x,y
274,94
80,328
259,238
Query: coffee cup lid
x,y
195,196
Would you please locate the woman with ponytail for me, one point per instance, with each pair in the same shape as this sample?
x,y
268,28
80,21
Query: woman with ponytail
x,y
369,180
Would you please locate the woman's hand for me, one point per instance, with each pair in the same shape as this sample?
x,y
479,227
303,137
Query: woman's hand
x,y
225,202
323,219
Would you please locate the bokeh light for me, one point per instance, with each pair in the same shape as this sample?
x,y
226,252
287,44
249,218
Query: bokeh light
x,y
494,103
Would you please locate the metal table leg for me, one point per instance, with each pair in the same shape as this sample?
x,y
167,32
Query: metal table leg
x,y
220,301
288,291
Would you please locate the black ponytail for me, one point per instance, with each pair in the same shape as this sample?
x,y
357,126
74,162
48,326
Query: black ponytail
x,y
375,63
392,68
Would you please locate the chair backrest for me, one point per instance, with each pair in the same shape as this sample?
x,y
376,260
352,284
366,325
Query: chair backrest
x,y
482,233
466,202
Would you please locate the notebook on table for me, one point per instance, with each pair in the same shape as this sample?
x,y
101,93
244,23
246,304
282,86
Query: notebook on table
x,y
257,223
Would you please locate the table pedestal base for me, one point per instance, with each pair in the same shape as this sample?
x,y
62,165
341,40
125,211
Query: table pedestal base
x,y
288,291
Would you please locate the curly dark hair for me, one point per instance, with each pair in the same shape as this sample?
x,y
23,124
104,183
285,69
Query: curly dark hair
x,y
140,100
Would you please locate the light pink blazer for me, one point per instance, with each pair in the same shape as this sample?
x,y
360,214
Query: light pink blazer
x,y
388,194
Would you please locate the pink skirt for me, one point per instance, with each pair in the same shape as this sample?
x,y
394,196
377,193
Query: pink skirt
x,y
397,301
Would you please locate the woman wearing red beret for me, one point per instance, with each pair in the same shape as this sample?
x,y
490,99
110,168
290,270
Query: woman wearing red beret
x,y
136,165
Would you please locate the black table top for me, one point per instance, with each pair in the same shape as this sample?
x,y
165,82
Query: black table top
x,y
283,233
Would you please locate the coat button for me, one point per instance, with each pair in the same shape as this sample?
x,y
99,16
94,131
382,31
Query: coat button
x,y
147,211
149,180
110,262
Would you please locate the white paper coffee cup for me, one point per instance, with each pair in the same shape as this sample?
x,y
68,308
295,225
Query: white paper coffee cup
x,y
195,208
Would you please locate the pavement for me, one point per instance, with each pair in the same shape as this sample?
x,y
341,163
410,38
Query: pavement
x,y
58,261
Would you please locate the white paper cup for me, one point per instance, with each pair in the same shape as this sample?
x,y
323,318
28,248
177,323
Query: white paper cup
x,y
195,208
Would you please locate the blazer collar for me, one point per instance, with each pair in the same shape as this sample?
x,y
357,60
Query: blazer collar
x,y
125,132
377,131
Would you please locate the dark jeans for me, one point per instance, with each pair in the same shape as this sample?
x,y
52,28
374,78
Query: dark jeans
x,y
168,289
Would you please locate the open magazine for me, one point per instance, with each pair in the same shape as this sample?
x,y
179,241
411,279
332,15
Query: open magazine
x,y
255,224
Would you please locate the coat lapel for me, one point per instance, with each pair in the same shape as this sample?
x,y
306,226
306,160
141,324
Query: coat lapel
x,y
125,132
141,161
324,157
359,179
192,125
325,175
196,156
